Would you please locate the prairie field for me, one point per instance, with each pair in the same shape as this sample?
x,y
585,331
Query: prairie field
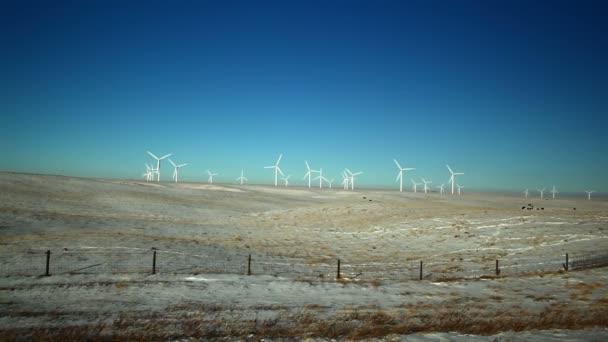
x,y
164,261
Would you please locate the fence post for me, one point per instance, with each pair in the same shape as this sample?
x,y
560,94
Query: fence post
x,y
154,263
566,264
338,275
497,268
249,265
48,263
420,269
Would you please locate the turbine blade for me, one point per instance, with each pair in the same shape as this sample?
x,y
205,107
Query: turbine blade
x,y
172,163
163,157
448,166
396,162
279,160
150,153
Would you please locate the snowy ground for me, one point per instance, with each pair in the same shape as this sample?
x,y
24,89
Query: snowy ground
x,y
295,237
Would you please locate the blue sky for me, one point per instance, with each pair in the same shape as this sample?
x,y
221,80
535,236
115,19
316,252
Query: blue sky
x,y
513,93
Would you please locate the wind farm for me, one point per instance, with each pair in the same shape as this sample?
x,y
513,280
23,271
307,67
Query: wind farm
x,y
304,171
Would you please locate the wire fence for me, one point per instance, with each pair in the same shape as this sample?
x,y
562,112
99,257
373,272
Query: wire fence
x,y
152,261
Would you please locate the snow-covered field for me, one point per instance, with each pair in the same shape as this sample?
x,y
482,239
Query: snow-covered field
x,y
102,233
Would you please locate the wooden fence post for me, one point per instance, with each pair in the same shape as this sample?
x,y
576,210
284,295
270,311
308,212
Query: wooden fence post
x,y
249,265
497,268
566,264
154,263
48,263
338,276
420,269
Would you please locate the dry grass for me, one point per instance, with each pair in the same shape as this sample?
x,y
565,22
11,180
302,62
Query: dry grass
x,y
349,324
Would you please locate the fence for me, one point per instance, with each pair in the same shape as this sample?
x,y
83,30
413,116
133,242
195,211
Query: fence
x,y
146,261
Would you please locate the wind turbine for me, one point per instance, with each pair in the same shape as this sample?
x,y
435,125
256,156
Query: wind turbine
x,y
526,193
542,191
459,187
176,169
440,187
400,175
277,170
589,192
554,191
425,184
308,173
352,178
415,185
345,180
286,179
321,178
158,163
330,182
210,179
149,173
242,178
452,180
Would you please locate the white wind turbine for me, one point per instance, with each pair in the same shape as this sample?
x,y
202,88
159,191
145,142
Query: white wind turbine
x,y
286,179
149,173
400,175
345,180
210,179
277,170
440,187
352,178
321,178
589,192
554,191
242,178
308,173
459,187
542,191
425,184
526,193
452,178
176,169
330,182
158,163
415,185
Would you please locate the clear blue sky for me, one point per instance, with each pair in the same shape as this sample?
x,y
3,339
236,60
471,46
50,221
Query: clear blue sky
x,y
513,93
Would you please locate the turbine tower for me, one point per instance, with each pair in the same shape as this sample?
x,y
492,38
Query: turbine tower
x,y
415,185
345,180
352,178
440,187
526,193
286,179
452,178
542,191
554,191
277,170
330,182
242,178
459,187
308,173
589,192
210,179
149,173
400,174
425,184
176,169
321,178
158,163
